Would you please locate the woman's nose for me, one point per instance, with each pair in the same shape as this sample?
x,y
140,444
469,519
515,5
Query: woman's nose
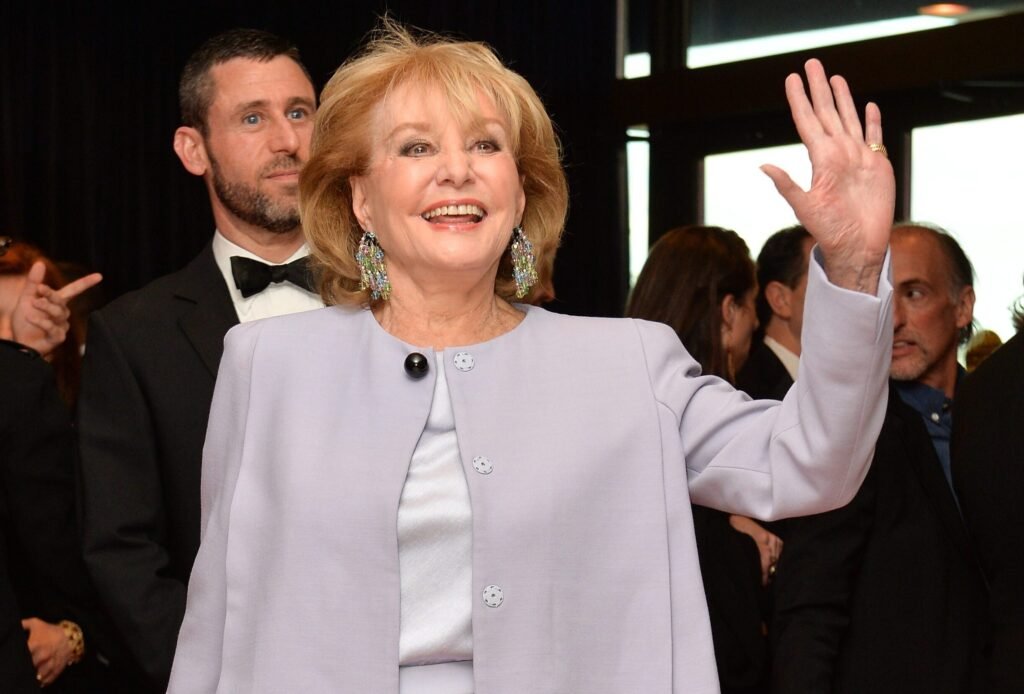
x,y
454,168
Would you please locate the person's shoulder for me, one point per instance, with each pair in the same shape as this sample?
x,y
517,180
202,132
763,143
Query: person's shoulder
x,y
1006,360
198,278
601,328
303,326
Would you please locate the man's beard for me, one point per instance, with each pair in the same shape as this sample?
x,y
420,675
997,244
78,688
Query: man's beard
x,y
909,369
255,207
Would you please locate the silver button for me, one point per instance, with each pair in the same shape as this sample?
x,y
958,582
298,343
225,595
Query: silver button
x,y
493,596
482,465
464,361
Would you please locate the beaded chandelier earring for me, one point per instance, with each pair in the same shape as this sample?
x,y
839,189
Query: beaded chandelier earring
x,y
524,264
373,274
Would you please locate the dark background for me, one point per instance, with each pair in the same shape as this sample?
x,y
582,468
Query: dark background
x,y
88,108
88,93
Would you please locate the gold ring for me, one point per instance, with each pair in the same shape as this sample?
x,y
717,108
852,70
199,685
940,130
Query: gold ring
x,y
878,147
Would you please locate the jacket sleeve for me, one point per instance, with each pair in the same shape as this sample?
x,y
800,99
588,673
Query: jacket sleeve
x,y
808,454
198,658
122,505
813,591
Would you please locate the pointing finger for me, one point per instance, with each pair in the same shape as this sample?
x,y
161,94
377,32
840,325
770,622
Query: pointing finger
x,y
73,289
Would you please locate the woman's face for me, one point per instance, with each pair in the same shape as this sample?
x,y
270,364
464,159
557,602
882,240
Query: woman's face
x,y
441,199
739,322
10,289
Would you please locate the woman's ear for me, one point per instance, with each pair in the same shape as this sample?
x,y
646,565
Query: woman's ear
x,y
728,309
190,147
520,201
360,208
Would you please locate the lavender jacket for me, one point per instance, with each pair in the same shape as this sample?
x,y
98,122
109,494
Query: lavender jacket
x,y
599,434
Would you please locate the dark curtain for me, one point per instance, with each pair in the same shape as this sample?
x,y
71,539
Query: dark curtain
x,y
88,108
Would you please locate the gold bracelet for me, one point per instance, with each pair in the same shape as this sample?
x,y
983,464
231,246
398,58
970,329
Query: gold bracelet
x,y
73,632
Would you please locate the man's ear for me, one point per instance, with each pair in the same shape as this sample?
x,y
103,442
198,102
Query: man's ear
x,y
359,207
778,297
965,307
190,147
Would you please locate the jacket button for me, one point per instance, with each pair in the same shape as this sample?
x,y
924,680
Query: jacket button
x,y
416,365
482,465
493,596
464,361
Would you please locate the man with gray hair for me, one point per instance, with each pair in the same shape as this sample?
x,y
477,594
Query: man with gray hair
x,y
884,595
247,107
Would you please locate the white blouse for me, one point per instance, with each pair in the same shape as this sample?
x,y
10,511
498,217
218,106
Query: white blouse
x,y
435,543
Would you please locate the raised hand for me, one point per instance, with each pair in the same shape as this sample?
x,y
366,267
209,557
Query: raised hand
x,y
41,318
849,208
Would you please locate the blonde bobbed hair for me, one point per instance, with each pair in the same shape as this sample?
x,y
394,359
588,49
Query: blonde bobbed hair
x,y
343,137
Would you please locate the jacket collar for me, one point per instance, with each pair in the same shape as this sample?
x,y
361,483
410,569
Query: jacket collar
x,y
201,284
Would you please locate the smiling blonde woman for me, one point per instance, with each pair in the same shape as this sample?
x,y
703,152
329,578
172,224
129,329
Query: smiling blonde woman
x,y
426,487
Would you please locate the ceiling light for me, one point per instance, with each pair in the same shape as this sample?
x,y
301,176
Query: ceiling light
x,y
944,9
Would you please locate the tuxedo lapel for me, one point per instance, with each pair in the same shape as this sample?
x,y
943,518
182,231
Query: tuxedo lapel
x,y
210,312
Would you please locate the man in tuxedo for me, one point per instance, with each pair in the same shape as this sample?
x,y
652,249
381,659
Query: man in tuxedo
x,y
247,105
884,595
782,276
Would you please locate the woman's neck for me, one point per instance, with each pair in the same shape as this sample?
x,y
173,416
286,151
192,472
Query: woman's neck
x,y
445,320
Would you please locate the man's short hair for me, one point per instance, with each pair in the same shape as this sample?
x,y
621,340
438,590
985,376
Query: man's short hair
x,y
961,271
781,260
195,90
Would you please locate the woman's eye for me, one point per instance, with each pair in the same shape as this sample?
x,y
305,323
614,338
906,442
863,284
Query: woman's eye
x,y
416,149
486,146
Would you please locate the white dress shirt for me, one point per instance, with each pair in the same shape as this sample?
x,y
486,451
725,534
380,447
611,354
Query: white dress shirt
x,y
789,360
277,299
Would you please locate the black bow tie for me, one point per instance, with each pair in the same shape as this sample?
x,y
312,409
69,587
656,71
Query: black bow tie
x,y
252,276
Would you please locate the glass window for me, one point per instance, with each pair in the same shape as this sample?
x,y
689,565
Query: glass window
x,y
638,173
726,31
634,40
967,178
739,196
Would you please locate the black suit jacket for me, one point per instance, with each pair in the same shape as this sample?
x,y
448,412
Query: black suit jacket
x,y
147,383
988,471
41,569
883,595
763,376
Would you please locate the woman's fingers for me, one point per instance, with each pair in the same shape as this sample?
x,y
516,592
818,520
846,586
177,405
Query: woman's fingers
x,y
788,189
53,309
873,124
72,289
806,121
847,109
50,671
821,97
